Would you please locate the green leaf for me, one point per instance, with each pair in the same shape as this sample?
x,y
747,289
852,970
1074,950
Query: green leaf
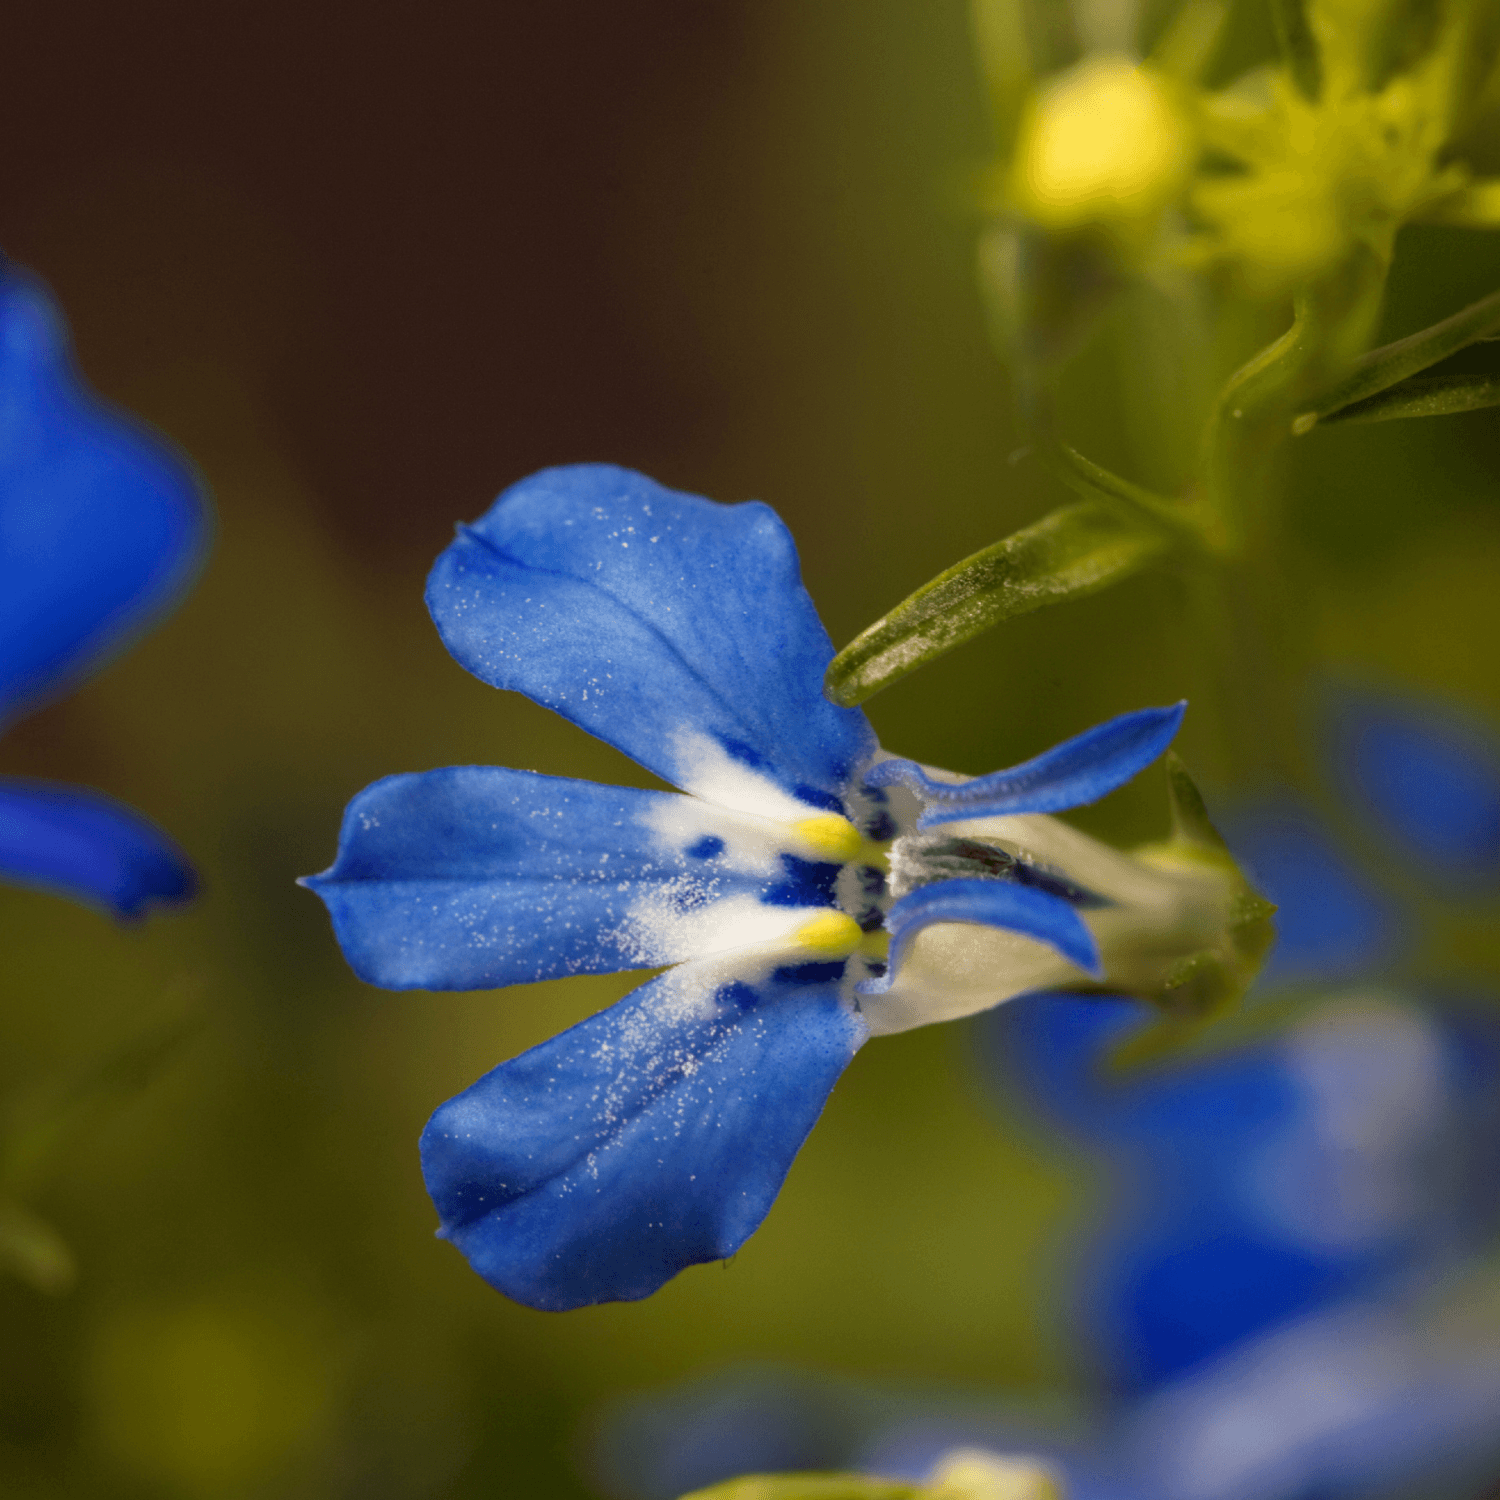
x,y
1077,550
1387,366
32,1250
1425,396
808,1487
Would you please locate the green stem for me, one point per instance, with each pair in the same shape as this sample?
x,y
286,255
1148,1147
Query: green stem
x,y
1246,600
1243,442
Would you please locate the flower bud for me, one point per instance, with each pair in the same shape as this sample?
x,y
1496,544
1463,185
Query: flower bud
x,y
976,1474
1102,144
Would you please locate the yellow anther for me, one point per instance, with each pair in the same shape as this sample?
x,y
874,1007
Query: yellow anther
x,y
832,836
833,933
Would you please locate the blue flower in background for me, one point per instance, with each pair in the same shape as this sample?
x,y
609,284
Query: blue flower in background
x,y
1362,1400
101,527
810,889
1343,1156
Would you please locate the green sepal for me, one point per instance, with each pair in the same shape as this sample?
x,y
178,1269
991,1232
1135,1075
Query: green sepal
x,y
1209,983
1201,984
1190,821
1424,396
809,1487
1391,364
1075,551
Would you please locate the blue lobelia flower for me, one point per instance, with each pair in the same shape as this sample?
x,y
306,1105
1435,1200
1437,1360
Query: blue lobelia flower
x,y
101,528
810,889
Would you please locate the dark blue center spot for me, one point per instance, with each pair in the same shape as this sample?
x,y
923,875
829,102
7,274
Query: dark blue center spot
x,y
737,994
747,755
806,883
816,797
810,973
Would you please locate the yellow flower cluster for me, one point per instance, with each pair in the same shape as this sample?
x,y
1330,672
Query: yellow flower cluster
x,y
1285,174
1310,180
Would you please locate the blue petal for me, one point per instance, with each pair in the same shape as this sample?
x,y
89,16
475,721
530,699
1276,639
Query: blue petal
x,y
86,846
651,1137
1428,776
1077,771
101,522
672,627
990,903
479,876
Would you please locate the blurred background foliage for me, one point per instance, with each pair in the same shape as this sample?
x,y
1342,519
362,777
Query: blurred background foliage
x,y
367,269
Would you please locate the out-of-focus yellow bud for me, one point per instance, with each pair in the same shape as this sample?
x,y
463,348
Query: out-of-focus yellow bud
x,y
1100,144
976,1474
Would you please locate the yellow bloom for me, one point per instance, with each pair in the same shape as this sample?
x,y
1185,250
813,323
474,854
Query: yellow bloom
x,y
1101,144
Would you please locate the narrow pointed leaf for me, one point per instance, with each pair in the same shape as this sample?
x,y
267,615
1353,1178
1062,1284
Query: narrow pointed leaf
x,y
1075,551
1094,482
1382,368
1426,396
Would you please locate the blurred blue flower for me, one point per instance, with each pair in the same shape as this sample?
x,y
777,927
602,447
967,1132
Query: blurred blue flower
x,y
1426,777
1366,1399
101,527
1349,1154
1344,1155
656,1134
